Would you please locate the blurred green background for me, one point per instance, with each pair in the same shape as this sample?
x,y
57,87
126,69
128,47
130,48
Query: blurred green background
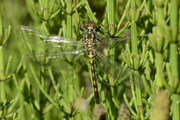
x,y
25,96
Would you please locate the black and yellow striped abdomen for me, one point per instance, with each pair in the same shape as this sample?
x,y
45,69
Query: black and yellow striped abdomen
x,y
91,57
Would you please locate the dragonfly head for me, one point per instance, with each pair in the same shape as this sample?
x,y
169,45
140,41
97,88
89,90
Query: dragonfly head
x,y
90,26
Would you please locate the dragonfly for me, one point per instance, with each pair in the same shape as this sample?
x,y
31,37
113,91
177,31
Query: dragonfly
x,y
57,52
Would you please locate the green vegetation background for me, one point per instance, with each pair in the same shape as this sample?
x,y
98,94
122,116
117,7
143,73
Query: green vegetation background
x,y
28,93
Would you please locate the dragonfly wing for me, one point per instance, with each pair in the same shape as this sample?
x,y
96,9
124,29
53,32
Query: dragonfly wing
x,y
115,42
118,72
54,61
37,38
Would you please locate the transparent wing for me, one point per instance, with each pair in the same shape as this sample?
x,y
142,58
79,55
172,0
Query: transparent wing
x,y
41,39
114,42
54,61
120,73
54,52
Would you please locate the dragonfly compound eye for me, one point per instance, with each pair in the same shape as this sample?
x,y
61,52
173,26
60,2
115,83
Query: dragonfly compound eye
x,y
93,25
89,24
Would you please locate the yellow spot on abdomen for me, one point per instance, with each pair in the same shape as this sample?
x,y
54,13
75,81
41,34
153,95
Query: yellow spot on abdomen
x,y
94,82
93,74
95,89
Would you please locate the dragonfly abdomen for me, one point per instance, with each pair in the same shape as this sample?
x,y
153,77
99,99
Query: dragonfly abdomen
x,y
91,57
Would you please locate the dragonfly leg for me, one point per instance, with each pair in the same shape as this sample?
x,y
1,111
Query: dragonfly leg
x,y
81,34
79,29
79,26
107,36
98,27
99,38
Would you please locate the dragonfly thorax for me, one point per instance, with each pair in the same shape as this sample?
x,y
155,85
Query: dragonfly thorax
x,y
89,45
90,36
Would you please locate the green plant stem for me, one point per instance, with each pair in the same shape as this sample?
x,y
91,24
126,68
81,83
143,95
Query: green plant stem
x,y
71,72
111,10
174,59
159,57
134,47
174,46
45,9
111,5
134,43
174,18
175,106
159,68
32,10
69,19
41,88
90,12
134,38
174,64
42,100
124,14
2,85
